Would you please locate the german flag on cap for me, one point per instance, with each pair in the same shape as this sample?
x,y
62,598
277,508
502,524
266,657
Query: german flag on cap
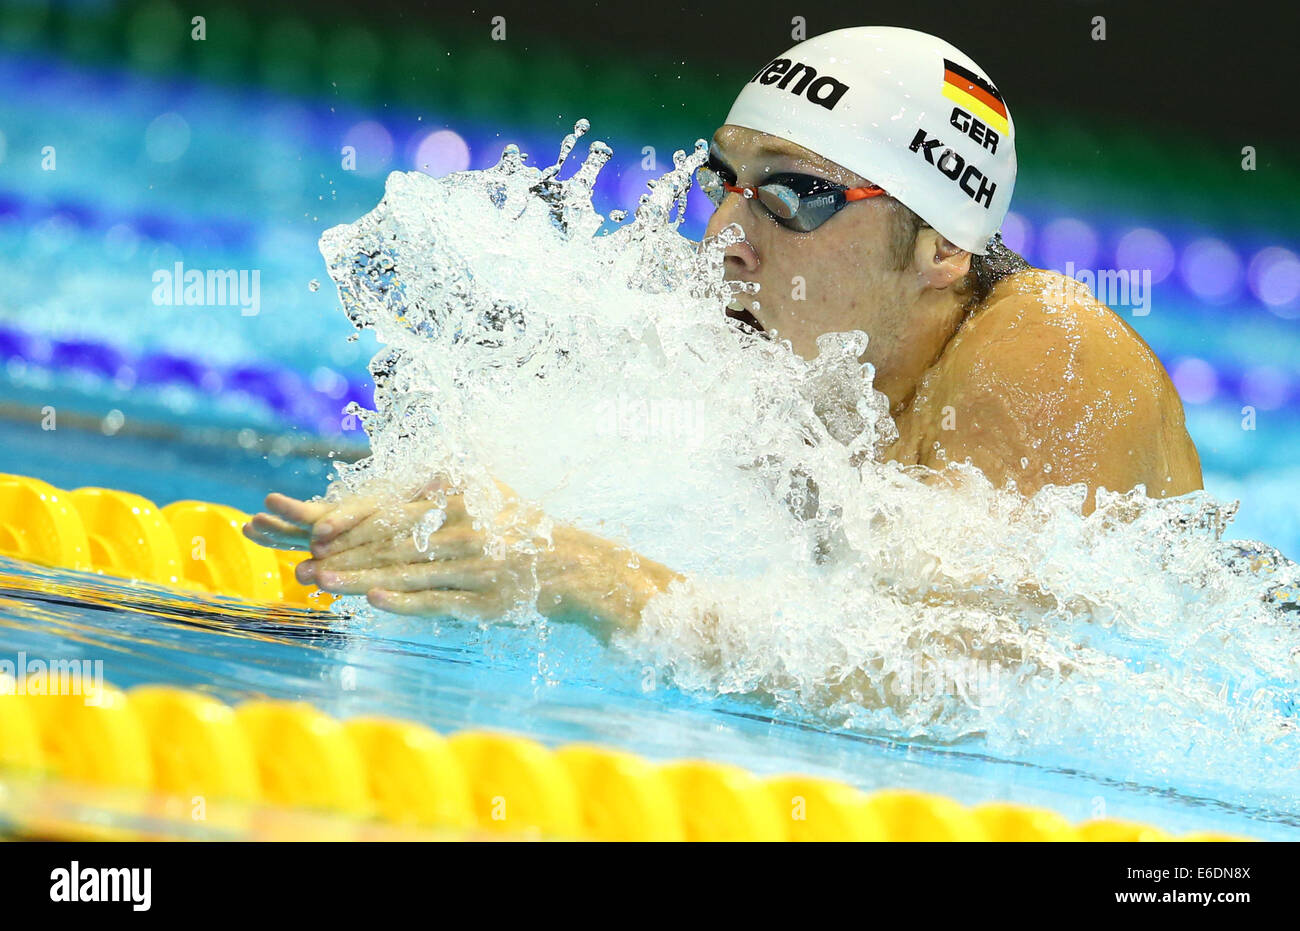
x,y
967,89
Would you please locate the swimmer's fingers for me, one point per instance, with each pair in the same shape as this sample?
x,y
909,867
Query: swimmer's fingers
x,y
464,606
469,575
346,517
387,523
405,549
275,532
366,519
302,514
361,510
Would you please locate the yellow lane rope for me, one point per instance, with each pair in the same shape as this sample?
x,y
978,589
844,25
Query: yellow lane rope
x,y
205,755
184,745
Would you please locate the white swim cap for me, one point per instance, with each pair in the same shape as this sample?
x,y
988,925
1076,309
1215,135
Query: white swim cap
x,y
903,109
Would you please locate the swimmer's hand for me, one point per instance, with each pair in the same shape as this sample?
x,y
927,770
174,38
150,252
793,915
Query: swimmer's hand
x,y
289,524
386,550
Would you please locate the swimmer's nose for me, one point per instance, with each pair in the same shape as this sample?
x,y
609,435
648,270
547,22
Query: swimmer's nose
x,y
741,257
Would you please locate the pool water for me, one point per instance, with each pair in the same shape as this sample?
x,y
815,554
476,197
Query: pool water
x,y
456,677
557,685
78,247
102,233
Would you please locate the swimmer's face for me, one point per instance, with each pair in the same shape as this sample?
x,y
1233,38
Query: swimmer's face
x,y
849,274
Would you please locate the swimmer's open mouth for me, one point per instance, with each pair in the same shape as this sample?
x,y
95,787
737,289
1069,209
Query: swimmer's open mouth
x,y
746,318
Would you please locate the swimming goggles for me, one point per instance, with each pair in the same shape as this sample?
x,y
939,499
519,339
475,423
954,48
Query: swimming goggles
x,y
797,201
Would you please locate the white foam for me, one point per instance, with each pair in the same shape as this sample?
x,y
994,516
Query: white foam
x,y
598,376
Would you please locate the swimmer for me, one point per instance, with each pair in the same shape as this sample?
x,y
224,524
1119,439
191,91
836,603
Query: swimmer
x,y
875,165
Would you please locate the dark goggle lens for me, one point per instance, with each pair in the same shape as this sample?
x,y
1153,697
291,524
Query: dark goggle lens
x,y
798,202
801,202
779,200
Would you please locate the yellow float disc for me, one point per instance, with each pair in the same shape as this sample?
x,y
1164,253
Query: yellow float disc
x,y
1005,822
93,737
40,524
295,592
1113,829
128,535
517,786
215,553
20,740
622,797
304,758
720,802
199,749
413,776
915,816
822,810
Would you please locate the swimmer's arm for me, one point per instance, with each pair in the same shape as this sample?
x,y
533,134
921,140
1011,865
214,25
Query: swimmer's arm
x,y
597,583
364,546
584,579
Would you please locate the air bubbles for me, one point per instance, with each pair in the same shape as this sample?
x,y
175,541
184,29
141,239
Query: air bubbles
x,y
444,151
167,137
429,524
1146,249
1210,269
1068,241
1266,387
1196,380
1274,278
373,145
121,242
593,369
731,234
112,422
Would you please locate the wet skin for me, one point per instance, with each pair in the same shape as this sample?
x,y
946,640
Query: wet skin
x,y
1038,384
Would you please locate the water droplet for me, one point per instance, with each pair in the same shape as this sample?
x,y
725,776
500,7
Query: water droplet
x,y
429,524
501,305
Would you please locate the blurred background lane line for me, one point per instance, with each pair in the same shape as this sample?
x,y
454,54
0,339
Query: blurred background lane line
x,y
127,146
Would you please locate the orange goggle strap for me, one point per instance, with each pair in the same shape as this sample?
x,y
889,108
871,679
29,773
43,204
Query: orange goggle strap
x,y
850,194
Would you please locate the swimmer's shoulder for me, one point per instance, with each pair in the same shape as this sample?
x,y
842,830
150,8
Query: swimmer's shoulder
x,y
1041,365
1041,326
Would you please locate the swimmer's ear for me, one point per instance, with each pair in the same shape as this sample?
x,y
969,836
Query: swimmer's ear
x,y
937,261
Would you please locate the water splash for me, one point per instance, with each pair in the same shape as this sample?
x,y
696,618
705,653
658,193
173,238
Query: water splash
x,y
599,376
